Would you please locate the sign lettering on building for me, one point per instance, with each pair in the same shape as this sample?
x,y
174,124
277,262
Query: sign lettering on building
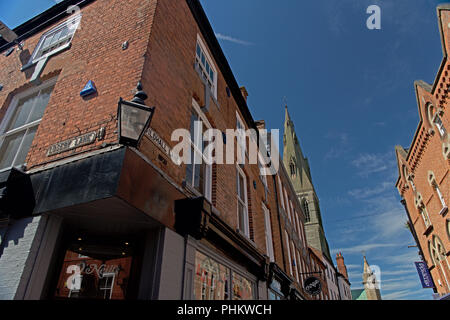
x,y
313,286
72,143
161,144
424,274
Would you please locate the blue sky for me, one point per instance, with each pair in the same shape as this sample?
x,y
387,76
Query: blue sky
x,y
350,93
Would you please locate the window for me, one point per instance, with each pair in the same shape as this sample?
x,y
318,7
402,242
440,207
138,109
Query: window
x,y
425,217
243,224
217,281
439,257
294,261
306,210
20,125
261,171
292,167
441,197
268,230
439,125
56,40
286,236
241,139
106,284
198,172
212,279
435,186
280,188
287,205
206,67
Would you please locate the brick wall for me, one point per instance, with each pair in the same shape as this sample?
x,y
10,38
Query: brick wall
x,y
426,155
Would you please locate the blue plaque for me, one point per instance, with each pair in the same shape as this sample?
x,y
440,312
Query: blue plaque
x,y
88,89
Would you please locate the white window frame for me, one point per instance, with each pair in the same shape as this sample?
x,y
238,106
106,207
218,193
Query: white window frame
x,y
74,22
10,112
441,196
211,64
280,188
242,139
424,213
246,230
295,260
208,167
268,231
439,124
288,247
288,211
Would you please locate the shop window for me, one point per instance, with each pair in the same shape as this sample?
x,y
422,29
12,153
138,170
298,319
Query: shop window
x,y
198,171
55,40
275,290
95,271
242,288
21,123
212,281
242,210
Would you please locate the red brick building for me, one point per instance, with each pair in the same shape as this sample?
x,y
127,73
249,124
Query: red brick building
x,y
424,168
75,200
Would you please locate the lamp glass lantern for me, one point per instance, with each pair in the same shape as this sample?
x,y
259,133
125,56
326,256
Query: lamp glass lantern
x,y
134,118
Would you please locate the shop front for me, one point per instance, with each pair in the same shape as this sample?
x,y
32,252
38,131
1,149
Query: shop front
x,y
220,264
100,221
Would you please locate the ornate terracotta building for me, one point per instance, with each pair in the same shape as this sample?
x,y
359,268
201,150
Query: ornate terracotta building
x,y
424,168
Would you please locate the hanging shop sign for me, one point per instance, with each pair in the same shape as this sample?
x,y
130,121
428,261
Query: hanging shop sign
x,y
424,274
72,143
313,286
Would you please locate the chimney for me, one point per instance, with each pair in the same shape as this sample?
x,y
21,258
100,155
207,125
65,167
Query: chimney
x,y
260,124
244,93
341,265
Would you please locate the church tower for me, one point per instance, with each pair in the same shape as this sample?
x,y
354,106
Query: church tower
x,y
370,282
297,167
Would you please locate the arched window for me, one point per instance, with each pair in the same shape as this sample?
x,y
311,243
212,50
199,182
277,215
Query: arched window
x,y
439,257
425,217
439,125
434,184
292,167
448,228
306,210
434,119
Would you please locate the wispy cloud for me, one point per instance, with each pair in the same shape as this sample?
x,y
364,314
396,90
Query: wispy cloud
x,y
398,295
370,163
234,40
370,192
340,147
365,247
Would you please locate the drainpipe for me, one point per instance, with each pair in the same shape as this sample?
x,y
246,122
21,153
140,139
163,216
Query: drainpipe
x,y
416,239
